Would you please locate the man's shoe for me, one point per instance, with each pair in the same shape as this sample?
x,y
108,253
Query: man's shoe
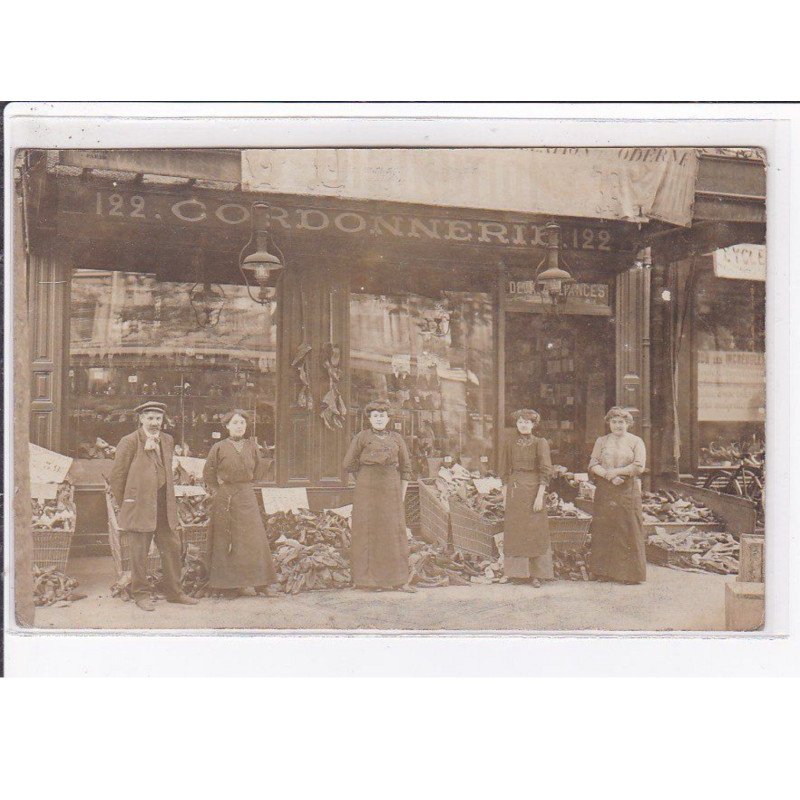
x,y
145,603
184,600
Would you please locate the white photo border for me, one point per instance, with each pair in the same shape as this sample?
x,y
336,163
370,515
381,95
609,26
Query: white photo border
x,y
138,125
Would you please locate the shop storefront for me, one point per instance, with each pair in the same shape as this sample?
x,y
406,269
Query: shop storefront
x,y
136,285
708,322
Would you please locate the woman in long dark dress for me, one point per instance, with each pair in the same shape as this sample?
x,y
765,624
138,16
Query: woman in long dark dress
x,y
525,468
379,460
617,531
238,553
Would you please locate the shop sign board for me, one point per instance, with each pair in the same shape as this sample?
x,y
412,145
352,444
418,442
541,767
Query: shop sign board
x,y
100,207
731,386
741,262
581,297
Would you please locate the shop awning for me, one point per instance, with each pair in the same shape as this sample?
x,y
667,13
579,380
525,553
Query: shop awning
x,y
635,184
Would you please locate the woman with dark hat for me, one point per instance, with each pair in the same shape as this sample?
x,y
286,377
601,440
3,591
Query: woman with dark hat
x,y
379,460
617,530
238,551
525,468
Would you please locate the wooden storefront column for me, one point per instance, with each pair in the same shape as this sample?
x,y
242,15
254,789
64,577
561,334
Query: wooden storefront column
x,y
633,347
314,312
48,303
22,540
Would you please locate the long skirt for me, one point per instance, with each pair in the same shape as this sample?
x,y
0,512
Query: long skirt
x,y
617,533
539,567
238,551
379,547
526,535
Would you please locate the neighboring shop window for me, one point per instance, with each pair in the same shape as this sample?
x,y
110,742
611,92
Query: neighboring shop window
x,y
731,370
201,350
433,360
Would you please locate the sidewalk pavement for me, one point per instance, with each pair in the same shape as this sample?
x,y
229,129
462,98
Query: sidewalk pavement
x,y
670,600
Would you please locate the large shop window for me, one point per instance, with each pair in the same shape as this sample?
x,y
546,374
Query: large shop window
x,y
731,370
200,350
433,359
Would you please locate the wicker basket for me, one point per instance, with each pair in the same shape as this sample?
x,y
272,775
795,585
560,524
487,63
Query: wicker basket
x,y
196,535
471,533
434,515
51,548
412,507
569,533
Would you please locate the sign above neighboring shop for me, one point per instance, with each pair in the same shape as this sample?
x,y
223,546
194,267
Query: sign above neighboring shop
x,y
581,298
103,208
741,262
627,183
732,386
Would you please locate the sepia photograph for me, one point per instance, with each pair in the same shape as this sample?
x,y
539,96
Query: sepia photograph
x,y
474,389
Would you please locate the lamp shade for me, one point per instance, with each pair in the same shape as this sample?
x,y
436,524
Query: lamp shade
x,y
263,266
553,279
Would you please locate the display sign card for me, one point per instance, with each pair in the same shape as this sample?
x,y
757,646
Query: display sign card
x,y
401,362
277,499
46,466
189,491
194,466
485,485
44,491
343,511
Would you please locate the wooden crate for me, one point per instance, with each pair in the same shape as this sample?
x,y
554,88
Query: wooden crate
x,y
679,527
661,557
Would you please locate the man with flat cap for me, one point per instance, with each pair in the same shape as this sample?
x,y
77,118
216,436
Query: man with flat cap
x,y
141,482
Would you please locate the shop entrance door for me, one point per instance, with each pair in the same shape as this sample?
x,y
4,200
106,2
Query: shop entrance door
x,y
565,368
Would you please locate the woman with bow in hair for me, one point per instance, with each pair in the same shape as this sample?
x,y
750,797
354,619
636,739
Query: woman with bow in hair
x,y
238,551
525,468
379,461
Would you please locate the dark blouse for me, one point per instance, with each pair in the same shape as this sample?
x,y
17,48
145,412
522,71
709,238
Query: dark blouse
x,y
369,449
533,458
225,465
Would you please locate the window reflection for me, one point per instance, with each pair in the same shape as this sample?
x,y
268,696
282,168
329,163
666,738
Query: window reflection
x,y
432,358
200,349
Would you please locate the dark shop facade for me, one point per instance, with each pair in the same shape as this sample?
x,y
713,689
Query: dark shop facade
x,y
138,288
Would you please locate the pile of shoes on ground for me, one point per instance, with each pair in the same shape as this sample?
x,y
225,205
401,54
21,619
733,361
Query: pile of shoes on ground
x,y
698,550
571,565
432,566
669,506
53,587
